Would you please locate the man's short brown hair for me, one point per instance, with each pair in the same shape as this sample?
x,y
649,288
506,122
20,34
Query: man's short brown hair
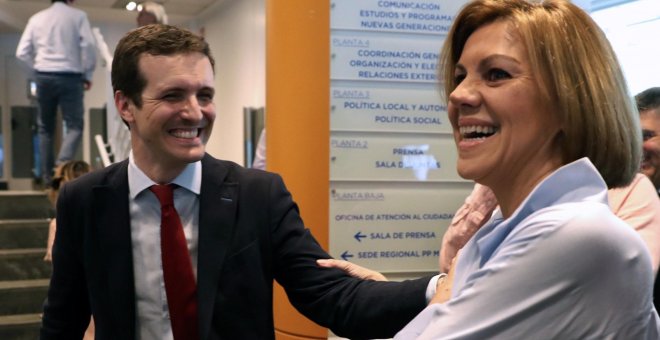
x,y
156,39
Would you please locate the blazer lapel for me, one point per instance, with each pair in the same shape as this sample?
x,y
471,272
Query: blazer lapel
x,y
217,211
112,245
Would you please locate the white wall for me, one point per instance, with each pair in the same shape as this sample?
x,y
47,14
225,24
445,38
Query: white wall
x,y
9,82
236,32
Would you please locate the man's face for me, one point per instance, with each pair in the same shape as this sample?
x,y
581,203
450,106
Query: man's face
x,y
650,120
175,121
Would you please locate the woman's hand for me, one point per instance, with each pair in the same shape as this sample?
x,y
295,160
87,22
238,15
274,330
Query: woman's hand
x,y
444,285
52,226
474,213
352,269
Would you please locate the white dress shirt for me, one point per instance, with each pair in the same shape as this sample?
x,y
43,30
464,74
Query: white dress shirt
x,y
152,313
561,267
58,39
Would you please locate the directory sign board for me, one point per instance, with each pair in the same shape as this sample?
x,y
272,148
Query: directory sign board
x,y
394,186
377,226
414,157
387,109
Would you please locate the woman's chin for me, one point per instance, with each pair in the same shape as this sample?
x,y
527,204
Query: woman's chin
x,y
468,173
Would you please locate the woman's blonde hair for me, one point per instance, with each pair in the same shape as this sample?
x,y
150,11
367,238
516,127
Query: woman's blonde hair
x,y
63,173
577,72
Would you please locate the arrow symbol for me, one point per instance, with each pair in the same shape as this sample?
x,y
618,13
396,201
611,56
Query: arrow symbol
x,y
359,236
345,255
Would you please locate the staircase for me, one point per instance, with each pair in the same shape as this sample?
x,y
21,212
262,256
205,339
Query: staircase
x,y
24,276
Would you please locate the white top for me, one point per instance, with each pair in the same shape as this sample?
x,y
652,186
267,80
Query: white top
x,y
561,267
58,39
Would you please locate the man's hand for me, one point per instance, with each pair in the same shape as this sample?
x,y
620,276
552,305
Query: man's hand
x,y
87,85
352,269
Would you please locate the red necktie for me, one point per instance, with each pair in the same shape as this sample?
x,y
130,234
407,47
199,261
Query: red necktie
x,y
180,283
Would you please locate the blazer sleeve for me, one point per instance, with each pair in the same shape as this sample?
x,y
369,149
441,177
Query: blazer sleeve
x,y
349,307
66,310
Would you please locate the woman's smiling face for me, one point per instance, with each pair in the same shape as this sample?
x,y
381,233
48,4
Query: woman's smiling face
x,y
504,129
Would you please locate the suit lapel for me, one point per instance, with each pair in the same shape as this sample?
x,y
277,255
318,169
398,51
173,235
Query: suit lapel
x,y
217,211
112,237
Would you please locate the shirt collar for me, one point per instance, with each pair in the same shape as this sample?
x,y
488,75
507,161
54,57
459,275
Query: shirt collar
x,y
574,182
190,178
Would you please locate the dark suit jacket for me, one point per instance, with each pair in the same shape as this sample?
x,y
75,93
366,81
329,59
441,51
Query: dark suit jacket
x,y
250,233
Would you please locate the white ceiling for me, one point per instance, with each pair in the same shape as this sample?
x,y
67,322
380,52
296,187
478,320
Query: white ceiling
x,y
14,14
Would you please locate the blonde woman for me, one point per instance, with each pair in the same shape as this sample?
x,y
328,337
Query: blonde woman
x,y
63,173
542,116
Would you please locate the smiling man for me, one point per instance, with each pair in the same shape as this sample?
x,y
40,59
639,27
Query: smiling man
x,y
175,244
648,103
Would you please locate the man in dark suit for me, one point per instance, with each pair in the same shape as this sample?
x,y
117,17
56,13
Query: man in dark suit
x,y
240,226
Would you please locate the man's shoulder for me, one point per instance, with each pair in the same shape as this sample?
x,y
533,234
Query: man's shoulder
x,y
63,10
232,169
64,13
109,175
223,171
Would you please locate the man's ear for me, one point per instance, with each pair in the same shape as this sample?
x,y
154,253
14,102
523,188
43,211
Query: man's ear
x,y
124,107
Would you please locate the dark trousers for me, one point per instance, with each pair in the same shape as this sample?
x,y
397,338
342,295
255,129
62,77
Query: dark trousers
x,y
63,90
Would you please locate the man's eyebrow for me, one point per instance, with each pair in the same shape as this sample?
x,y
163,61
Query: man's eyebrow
x,y
183,88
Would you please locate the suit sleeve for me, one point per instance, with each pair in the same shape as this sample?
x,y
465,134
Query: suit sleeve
x,y
349,307
66,311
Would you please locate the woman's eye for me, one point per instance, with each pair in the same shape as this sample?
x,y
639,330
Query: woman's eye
x,y
458,78
497,74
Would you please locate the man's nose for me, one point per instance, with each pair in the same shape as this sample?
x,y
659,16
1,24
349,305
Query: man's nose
x,y
652,145
192,110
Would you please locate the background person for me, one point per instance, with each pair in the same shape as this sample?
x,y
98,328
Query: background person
x,y
151,13
236,229
64,173
648,103
58,45
260,152
551,261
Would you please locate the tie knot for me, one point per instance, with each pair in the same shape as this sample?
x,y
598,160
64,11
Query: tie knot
x,y
164,193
